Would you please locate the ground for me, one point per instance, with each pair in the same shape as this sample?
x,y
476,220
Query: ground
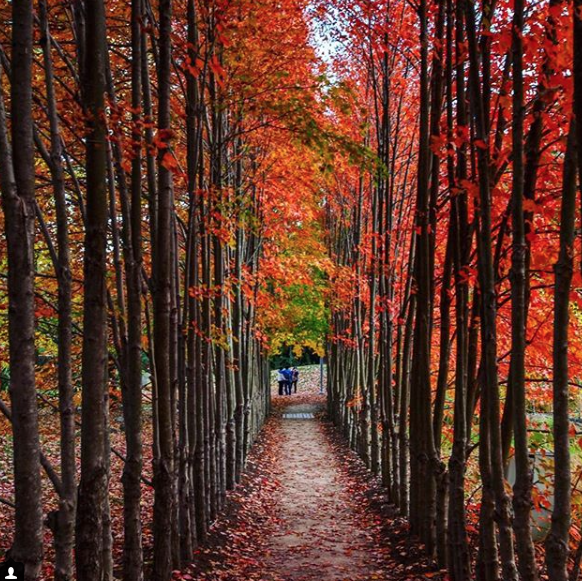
x,y
308,509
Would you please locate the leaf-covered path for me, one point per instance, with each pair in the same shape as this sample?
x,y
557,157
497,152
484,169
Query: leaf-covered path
x,y
319,533
306,510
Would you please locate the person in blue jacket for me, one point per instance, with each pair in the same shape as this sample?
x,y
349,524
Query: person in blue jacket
x,y
288,374
281,380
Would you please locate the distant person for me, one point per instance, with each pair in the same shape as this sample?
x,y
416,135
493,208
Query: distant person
x,y
288,380
282,380
294,378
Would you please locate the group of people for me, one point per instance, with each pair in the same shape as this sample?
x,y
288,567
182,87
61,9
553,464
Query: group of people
x,y
287,379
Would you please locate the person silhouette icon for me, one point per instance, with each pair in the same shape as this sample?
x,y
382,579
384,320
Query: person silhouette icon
x,y
11,570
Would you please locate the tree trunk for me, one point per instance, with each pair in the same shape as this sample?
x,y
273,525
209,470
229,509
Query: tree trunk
x,y
131,384
61,521
94,436
164,462
17,183
422,451
490,397
557,543
522,499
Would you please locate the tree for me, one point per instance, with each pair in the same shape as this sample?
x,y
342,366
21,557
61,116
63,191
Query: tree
x,y
162,273
18,199
557,544
93,485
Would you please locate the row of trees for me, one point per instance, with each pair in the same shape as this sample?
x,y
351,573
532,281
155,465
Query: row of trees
x,y
143,155
456,252
183,187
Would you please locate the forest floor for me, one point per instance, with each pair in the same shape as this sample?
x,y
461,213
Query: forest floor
x,y
308,509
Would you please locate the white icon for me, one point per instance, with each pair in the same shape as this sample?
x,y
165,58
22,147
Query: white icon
x,y
11,574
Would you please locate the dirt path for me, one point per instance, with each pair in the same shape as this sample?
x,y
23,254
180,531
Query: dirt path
x,y
307,510
319,534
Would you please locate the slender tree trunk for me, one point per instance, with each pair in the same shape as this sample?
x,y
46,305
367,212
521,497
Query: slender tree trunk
x,y
238,338
522,500
94,437
107,544
459,557
17,183
61,521
490,391
488,558
557,543
164,462
403,418
422,453
371,363
132,545
444,346
441,473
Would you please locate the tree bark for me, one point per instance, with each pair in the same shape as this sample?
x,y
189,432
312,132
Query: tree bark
x,y
422,452
490,391
522,499
94,436
557,543
61,521
164,462
18,199
131,384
